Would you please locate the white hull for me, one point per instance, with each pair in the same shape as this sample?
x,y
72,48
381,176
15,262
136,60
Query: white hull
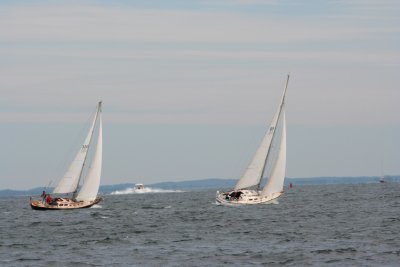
x,y
139,186
247,197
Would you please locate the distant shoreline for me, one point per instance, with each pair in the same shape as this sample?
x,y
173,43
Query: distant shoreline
x,y
215,184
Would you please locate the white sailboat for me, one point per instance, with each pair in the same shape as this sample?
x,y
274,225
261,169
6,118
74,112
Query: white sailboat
x,y
272,154
382,177
87,194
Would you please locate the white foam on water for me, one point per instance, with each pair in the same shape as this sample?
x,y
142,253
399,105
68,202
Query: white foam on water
x,y
96,206
144,191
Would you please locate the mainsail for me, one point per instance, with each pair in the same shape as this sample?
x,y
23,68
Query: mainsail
x,y
277,177
254,171
91,185
70,180
256,168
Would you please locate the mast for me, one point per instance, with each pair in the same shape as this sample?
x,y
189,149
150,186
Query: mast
x,y
254,172
87,148
69,182
274,128
90,188
381,179
277,176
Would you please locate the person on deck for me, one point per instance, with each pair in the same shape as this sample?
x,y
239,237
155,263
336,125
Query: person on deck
x,y
235,195
48,199
43,195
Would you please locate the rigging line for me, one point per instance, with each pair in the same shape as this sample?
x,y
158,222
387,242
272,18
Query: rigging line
x,y
275,150
98,110
87,125
48,185
88,160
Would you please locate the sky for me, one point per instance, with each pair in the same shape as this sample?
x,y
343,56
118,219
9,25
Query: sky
x,y
190,87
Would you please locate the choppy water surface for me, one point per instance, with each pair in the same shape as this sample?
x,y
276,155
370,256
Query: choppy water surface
x,y
337,225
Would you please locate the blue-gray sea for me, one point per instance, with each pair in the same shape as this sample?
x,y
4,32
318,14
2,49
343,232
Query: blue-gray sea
x,y
322,225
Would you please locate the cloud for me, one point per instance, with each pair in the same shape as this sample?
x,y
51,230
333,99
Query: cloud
x,y
216,62
243,2
172,74
98,23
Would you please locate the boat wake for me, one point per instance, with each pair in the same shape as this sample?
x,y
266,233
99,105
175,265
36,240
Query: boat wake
x,y
144,191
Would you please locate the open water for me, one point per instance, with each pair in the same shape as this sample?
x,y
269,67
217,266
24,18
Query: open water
x,y
325,225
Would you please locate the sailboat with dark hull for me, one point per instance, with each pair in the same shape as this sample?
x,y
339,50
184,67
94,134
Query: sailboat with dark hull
x,y
271,153
85,196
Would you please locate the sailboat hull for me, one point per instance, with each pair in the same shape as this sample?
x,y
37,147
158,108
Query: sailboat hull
x,y
246,197
63,204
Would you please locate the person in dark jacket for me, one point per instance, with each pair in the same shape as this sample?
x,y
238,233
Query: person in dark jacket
x,y
43,195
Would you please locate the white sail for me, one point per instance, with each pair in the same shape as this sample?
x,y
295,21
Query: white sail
x,y
255,170
91,185
70,180
277,177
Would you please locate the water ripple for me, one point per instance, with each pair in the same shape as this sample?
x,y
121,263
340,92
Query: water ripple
x,y
335,225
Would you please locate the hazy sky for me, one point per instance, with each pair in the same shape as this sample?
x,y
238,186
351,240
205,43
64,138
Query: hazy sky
x,y
189,87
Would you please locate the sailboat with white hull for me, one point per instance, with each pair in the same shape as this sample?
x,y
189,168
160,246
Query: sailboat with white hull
x,y
272,154
86,196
